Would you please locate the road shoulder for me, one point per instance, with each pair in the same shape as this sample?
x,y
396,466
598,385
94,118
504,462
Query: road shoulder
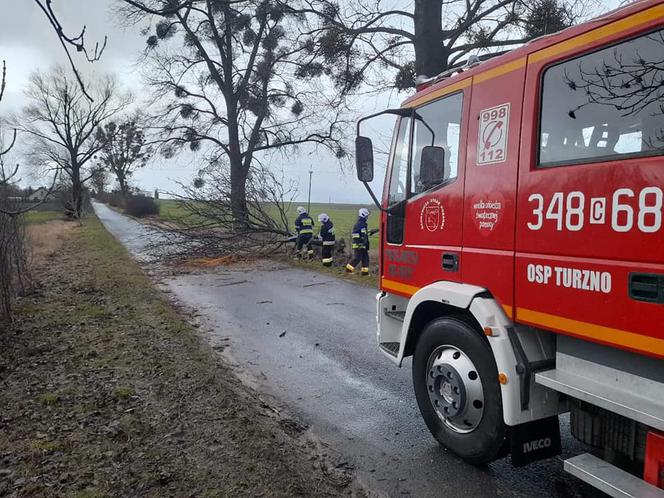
x,y
107,390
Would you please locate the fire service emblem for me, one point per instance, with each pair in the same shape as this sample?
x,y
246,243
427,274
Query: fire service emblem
x,y
432,216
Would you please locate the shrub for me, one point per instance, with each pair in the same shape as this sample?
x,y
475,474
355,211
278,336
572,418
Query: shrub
x,y
113,199
116,200
140,206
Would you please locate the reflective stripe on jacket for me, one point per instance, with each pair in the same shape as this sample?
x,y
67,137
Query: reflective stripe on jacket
x,y
360,234
304,224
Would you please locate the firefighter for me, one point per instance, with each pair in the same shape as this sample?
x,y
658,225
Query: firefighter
x,y
304,226
327,237
360,238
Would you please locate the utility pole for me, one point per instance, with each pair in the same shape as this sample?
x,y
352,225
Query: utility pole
x,y
311,172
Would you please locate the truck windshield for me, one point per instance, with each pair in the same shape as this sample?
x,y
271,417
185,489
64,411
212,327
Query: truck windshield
x,y
605,105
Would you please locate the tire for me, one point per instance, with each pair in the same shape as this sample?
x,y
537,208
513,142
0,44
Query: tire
x,y
457,390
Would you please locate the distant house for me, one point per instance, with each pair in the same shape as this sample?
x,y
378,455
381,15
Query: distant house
x,y
38,195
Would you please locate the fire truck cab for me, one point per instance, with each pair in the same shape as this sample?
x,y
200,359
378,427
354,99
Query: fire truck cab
x,y
522,250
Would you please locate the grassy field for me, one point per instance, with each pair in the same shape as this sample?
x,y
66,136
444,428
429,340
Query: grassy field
x,y
33,217
343,216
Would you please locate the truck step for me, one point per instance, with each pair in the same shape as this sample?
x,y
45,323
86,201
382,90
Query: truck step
x,y
610,479
391,348
627,403
397,315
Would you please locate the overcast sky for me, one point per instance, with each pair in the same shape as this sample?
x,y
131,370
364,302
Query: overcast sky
x,y
27,43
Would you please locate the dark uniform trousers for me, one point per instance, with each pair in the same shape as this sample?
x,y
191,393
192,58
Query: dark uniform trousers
x,y
305,232
328,237
360,237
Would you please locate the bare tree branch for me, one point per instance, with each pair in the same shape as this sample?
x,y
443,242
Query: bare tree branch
x,y
67,41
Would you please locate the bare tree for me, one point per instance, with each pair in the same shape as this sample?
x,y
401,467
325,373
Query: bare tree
x,y
237,76
63,124
123,150
435,36
14,275
13,261
14,272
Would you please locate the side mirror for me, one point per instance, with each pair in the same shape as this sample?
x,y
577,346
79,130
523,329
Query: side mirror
x,y
432,166
364,159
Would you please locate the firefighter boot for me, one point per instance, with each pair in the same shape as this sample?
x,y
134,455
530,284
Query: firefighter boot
x,y
350,268
365,271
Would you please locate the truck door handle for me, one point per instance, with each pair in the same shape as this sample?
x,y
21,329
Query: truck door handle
x,y
450,261
647,287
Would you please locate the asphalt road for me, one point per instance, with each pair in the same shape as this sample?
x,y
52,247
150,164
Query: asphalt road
x,y
308,340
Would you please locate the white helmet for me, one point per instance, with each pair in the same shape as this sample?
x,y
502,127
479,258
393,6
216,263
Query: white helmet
x,y
300,210
323,218
364,213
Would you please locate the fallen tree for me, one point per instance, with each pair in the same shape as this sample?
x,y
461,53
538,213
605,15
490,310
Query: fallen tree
x,y
208,228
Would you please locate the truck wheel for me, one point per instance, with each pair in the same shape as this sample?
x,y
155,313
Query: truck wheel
x,y
457,390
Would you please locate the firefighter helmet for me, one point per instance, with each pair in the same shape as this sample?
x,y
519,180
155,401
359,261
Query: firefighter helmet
x,y
300,210
323,218
364,213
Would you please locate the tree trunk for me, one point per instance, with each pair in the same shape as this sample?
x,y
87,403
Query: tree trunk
x,y
430,54
239,194
239,172
76,192
124,188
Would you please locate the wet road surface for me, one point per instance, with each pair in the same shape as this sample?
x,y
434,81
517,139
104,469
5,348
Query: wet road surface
x,y
308,340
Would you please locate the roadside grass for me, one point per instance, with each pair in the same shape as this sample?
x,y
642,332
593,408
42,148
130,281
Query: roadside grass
x,y
171,210
101,374
338,270
34,217
46,238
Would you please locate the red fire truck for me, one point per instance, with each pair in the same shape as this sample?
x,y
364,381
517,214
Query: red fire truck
x,y
522,250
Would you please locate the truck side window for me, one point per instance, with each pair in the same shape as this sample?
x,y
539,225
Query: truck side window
x,y
604,105
437,123
399,172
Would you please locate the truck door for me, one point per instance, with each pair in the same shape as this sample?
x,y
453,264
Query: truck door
x,y
423,227
491,178
590,243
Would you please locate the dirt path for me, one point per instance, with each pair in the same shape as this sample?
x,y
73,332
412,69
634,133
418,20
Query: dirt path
x,y
106,391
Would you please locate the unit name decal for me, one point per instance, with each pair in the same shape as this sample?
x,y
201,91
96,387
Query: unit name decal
x,y
623,211
487,212
492,139
570,278
395,261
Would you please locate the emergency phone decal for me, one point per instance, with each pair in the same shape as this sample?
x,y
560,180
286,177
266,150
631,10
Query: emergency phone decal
x,y
492,139
432,216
